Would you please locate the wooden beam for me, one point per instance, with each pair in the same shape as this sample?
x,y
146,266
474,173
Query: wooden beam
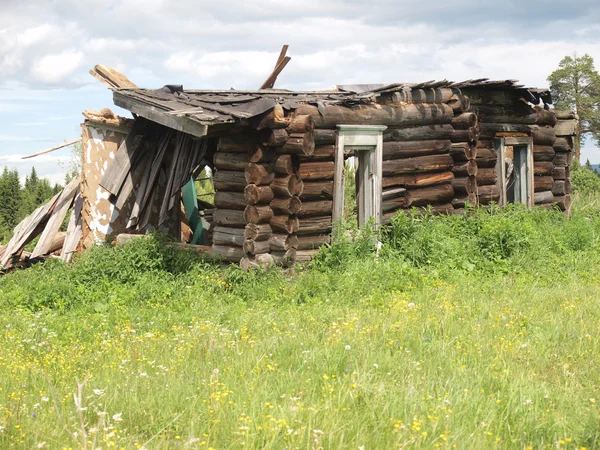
x,y
279,66
57,147
154,114
112,78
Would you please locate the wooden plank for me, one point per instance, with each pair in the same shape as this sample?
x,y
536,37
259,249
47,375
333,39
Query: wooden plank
x,y
282,61
111,77
338,179
52,149
74,230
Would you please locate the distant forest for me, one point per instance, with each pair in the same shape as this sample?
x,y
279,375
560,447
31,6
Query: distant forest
x,y
17,201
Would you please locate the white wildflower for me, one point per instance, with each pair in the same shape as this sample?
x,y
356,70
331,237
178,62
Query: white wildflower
x,y
117,417
347,347
98,392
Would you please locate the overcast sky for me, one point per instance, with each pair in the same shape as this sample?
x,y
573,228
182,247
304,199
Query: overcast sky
x,y
48,46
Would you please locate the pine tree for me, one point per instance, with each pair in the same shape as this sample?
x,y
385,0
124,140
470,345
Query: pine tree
x,y
10,198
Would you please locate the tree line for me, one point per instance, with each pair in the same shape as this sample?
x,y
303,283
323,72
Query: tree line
x,y
18,200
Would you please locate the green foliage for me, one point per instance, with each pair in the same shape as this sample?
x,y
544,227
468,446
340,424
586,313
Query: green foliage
x,y
585,180
575,85
205,189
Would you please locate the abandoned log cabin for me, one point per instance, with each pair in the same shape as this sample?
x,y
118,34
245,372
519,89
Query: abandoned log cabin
x,y
277,160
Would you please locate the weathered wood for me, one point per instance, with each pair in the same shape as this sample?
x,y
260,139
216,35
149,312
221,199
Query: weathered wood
x,y
411,114
470,135
562,144
230,200
258,214
315,208
301,124
427,95
314,225
464,121
259,174
314,190
229,181
273,137
418,180
565,127
254,247
312,241
559,187
284,259
464,186
543,183
563,202
258,232
299,144
487,176
407,149
420,133
228,236
285,223
543,168
318,170
463,151
393,192
228,253
255,195
304,256
543,197
459,103
545,116
275,118
543,135
486,157
286,164
282,242
465,169
324,137
419,164
287,185
488,194
321,153
489,130
393,204
559,172
229,218
442,193
239,143
543,153
462,202
561,159
286,205
565,115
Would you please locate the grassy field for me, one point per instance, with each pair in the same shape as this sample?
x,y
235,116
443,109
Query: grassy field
x,y
461,332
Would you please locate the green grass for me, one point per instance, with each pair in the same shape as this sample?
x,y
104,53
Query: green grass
x,y
460,332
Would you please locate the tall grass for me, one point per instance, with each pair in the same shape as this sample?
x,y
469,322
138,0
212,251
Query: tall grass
x,y
476,331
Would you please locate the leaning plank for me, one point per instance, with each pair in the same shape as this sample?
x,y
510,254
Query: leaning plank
x,y
74,231
52,149
111,77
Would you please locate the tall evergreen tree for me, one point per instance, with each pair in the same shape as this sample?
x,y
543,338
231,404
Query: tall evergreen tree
x,y
575,85
10,198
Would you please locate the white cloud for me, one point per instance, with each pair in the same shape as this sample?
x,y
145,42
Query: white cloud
x,y
56,67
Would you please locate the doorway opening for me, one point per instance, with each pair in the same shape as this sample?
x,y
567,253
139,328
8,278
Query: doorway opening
x,y
515,170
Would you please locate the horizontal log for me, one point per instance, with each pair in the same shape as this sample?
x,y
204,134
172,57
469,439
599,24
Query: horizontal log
x,y
562,159
463,151
470,135
318,170
314,225
459,103
489,130
299,144
314,190
543,153
332,115
419,164
304,256
243,143
284,259
464,121
258,261
324,137
321,153
285,223
486,176
228,253
486,157
231,161
559,187
286,164
315,208
283,241
275,118
255,195
562,144
559,172
543,135
545,116
256,247
426,95
488,194
273,137
228,236
230,200
543,197
464,186
301,124
258,214
408,149
258,232
286,205
462,202
287,185
565,115
393,192
312,241
543,183
420,133
543,168
259,174
465,169
227,180
392,204
565,127
229,218
563,202
440,194
418,180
